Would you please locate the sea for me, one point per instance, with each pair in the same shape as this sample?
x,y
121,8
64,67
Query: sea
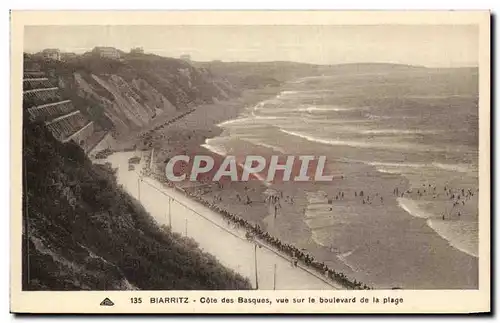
x,y
415,129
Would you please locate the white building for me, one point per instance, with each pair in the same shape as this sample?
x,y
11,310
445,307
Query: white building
x,y
52,53
137,50
107,52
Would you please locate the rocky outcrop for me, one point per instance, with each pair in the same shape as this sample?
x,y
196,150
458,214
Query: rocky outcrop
x,y
129,94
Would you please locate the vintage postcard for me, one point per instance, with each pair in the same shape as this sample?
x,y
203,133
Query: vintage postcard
x,y
250,162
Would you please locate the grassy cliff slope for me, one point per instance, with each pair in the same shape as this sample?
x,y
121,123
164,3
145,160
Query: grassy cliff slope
x,y
81,231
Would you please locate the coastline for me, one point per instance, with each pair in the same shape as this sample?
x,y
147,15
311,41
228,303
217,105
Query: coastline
x,y
171,140
185,215
189,136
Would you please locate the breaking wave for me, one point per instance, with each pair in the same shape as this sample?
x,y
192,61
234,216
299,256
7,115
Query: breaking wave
x,y
462,168
362,144
262,144
412,208
215,148
311,109
461,235
398,132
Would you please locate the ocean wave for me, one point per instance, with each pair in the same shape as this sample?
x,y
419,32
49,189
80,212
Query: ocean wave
x,y
376,163
342,257
445,96
233,121
363,144
260,143
261,104
388,171
316,237
310,138
318,218
396,168
216,150
400,168
386,117
314,216
211,145
325,108
462,168
319,204
398,131
461,235
264,118
252,119
411,207
294,92
286,93
411,169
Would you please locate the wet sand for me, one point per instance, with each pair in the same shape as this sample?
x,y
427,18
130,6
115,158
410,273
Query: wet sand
x,y
230,246
412,256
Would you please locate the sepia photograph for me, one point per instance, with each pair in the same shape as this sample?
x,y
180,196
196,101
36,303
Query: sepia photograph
x,y
252,157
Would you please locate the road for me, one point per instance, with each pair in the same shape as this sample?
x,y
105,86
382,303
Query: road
x,y
214,235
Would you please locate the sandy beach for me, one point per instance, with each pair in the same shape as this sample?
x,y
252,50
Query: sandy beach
x,y
201,224
357,224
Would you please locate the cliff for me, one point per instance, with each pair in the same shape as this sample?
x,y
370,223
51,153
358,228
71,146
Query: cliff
x,y
127,94
81,231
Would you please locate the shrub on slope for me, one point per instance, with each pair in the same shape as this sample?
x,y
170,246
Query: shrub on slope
x,y
81,231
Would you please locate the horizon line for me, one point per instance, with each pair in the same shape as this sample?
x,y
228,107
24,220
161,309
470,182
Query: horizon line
x,y
88,50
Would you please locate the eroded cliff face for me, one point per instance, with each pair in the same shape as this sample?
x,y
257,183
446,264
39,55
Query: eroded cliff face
x,y
128,105
129,94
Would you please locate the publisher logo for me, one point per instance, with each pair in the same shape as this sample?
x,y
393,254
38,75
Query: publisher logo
x,y
107,302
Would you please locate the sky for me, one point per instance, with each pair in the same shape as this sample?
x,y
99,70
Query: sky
x,y
427,45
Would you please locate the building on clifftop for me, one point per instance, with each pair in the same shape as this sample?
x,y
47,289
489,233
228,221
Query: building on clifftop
x,y
52,53
137,50
107,52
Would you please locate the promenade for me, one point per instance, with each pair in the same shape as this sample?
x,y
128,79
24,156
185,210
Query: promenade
x,y
215,235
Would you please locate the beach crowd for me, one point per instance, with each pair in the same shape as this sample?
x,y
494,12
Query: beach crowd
x,y
254,231
457,196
